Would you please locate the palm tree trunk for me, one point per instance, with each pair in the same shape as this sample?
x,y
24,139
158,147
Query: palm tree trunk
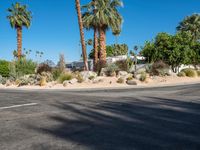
x,y
102,37
96,52
78,8
19,42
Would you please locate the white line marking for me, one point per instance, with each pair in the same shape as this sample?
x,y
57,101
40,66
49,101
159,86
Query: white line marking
x,y
15,106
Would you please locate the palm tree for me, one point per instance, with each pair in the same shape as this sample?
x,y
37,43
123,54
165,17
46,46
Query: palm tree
x,y
78,9
89,21
135,57
116,33
19,17
103,14
191,24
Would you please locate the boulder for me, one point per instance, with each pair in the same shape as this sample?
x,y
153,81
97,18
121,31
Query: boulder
x,y
122,74
103,72
73,81
86,74
131,82
65,83
8,83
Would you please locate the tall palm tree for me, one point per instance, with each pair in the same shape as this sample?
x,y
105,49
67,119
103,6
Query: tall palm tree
x,y
116,33
90,22
78,9
191,24
19,17
106,16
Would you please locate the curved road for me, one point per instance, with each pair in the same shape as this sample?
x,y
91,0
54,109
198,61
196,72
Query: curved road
x,y
122,119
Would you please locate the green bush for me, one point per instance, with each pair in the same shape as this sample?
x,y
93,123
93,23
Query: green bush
x,y
25,67
4,68
189,72
56,73
181,74
143,76
65,77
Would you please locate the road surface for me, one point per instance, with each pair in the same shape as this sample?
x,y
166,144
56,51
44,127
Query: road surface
x,y
165,118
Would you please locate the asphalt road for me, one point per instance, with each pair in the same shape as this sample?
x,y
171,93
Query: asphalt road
x,y
165,118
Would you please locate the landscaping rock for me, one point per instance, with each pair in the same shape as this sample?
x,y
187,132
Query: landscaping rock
x,y
87,74
65,83
8,83
138,76
98,80
131,82
103,72
122,74
73,81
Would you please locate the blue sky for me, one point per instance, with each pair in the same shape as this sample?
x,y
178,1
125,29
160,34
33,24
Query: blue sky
x,y
55,30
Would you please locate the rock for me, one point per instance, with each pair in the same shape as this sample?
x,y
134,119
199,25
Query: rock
x,y
171,73
98,80
131,82
8,83
122,74
87,74
73,81
65,83
103,72
138,76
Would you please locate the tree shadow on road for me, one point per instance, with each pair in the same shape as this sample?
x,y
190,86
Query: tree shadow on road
x,y
147,123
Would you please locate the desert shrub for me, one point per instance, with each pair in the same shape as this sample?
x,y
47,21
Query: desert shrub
x,y
79,78
124,65
48,76
25,67
148,68
129,78
4,68
160,68
181,74
56,73
99,67
43,81
111,69
189,72
65,77
143,76
12,73
22,81
120,80
3,80
198,73
43,68
91,77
